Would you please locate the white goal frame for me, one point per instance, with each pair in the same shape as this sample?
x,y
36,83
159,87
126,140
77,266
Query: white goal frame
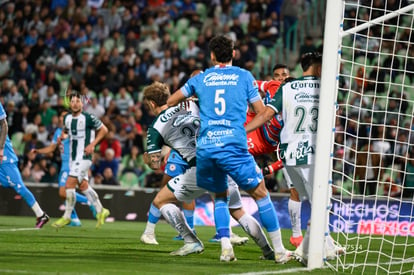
x,y
333,35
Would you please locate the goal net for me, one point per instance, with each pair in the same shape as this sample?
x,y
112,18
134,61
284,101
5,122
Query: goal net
x,y
372,158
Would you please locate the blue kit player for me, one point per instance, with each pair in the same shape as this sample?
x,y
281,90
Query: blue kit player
x,y
224,92
64,148
10,175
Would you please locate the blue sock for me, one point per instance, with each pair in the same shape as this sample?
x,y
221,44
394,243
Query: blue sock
x,y
81,198
154,214
189,217
22,190
74,215
222,217
268,214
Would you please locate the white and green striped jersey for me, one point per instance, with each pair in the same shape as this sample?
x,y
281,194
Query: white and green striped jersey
x,y
298,103
81,131
176,127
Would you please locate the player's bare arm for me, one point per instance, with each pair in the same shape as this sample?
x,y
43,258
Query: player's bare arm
x,y
265,115
45,150
153,160
176,98
4,128
101,133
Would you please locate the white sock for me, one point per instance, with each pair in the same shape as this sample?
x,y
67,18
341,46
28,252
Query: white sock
x,y
176,219
276,237
253,229
225,243
150,228
70,202
37,210
93,199
294,208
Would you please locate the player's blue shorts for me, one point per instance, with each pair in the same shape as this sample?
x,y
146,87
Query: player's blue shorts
x,y
10,176
213,166
63,176
175,165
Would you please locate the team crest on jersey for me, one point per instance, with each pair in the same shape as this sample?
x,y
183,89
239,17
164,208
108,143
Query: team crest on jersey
x,y
172,167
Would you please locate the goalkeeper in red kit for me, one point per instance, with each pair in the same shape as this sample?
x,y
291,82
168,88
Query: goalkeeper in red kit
x,y
265,140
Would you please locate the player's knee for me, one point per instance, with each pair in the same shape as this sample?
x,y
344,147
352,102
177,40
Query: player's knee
x,y
237,213
259,192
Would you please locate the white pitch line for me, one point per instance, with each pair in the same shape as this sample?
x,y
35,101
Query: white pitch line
x,y
283,271
19,229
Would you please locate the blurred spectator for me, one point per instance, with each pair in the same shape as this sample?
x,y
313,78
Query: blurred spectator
x,y
47,112
237,29
100,31
24,71
95,108
14,96
290,11
156,70
307,47
134,162
109,177
64,62
114,78
110,142
105,98
268,34
124,101
4,66
20,120
108,161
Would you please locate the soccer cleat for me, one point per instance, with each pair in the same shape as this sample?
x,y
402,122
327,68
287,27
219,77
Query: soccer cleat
x,y
101,217
62,222
270,256
300,256
42,220
178,238
188,248
237,240
296,241
332,253
227,255
148,238
215,239
75,223
283,257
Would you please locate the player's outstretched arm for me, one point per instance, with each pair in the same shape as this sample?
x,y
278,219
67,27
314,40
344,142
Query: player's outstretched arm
x,y
45,150
176,98
266,114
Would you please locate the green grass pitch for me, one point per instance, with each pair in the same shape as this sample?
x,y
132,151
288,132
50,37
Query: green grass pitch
x,y
115,249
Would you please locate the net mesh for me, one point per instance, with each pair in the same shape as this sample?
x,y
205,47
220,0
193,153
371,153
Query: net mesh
x,y
373,158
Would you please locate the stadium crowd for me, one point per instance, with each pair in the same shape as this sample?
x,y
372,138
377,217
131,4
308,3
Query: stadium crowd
x,y
109,50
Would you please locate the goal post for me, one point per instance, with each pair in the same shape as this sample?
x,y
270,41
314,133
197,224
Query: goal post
x,y
365,139
327,98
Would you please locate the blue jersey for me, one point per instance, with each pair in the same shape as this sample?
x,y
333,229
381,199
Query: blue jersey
x,y
225,91
8,155
64,150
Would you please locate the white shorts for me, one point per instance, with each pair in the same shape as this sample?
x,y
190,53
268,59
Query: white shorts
x,y
302,179
185,188
80,169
